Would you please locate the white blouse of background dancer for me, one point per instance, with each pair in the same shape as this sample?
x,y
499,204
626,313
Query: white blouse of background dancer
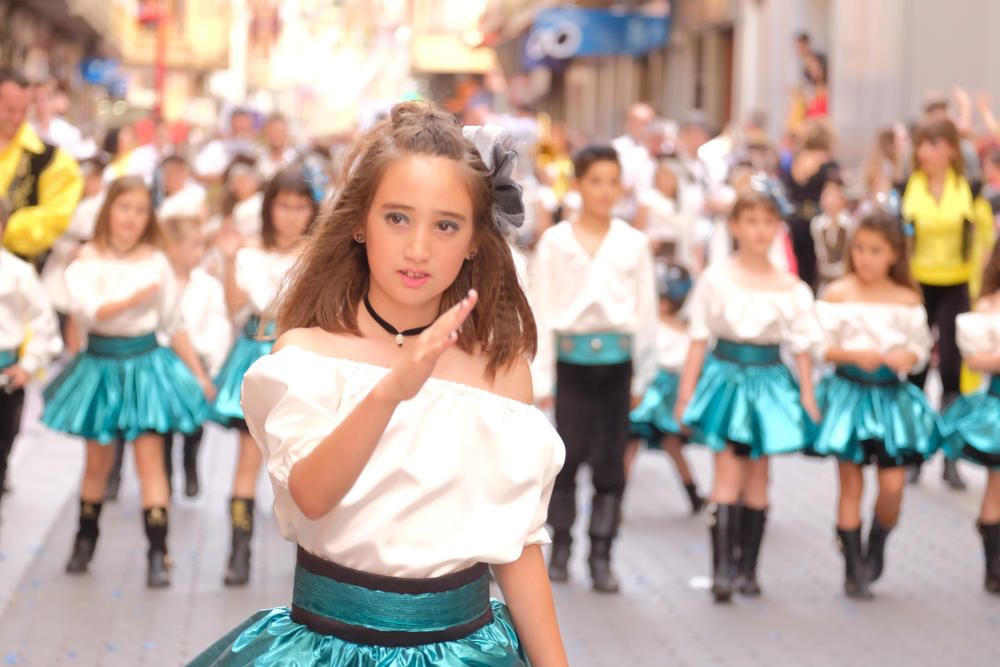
x,y
882,327
978,333
24,305
205,318
260,273
460,475
671,347
95,279
80,230
721,308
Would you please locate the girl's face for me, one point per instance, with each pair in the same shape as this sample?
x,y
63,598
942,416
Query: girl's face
x,y
128,218
600,188
934,155
419,230
244,184
832,199
755,230
666,181
872,256
126,140
187,251
291,213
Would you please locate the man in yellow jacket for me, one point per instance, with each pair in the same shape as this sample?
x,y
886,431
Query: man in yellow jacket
x,y
42,182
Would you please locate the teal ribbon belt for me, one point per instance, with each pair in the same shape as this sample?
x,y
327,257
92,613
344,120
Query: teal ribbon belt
x,y
883,376
8,358
747,354
252,329
388,611
120,346
596,349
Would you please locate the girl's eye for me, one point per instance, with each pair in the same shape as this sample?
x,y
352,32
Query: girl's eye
x,y
395,218
446,226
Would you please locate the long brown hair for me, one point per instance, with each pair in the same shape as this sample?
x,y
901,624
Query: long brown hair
x,y
102,228
938,129
991,273
332,275
890,228
294,181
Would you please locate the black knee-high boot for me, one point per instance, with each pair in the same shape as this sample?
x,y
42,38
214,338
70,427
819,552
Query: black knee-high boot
x,y
875,552
990,533
241,516
605,517
156,520
192,443
86,538
562,514
855,577
115,478
751,531
723,531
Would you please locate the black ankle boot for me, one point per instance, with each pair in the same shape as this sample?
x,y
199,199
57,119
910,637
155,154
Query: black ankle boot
x,y
855,577
723,531
156,521
562,514
875,553
990,533
86,538
192,443
697,502
751,527
115,477
951,477
241,516
604,519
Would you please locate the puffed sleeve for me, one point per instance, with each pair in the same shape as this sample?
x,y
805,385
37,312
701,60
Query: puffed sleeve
x,y
287,424
919,339
803,332
697,308
168,298
537,533
543,368
977,333
31,230
829,317
44,341
85,296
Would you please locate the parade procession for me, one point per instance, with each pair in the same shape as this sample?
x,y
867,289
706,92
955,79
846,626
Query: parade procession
x,y
497,333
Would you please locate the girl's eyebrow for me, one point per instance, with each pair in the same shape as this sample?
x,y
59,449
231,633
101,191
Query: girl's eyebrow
x,y
403,207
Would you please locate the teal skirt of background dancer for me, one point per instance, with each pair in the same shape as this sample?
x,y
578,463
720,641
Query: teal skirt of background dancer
x,y
247,349
860,408
345,618
970,428
746,396
653,418
122,387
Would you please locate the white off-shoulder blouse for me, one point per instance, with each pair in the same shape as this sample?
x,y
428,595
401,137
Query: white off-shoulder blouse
x,y
978,333
721,308
882,327
260,274
460,476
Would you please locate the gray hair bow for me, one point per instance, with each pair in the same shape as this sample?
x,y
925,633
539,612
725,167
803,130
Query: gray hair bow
x,y
496,148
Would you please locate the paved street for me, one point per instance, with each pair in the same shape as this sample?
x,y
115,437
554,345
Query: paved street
x,y
931,608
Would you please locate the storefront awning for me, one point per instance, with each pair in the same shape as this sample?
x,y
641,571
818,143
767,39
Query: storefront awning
x,y
563,33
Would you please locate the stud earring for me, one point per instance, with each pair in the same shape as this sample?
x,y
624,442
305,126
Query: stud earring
x,y
471,256
359,238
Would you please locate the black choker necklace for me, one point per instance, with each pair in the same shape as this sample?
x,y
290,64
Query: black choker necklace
x,y
416,331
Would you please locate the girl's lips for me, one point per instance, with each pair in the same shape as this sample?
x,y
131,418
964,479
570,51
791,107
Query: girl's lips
x,y
414,279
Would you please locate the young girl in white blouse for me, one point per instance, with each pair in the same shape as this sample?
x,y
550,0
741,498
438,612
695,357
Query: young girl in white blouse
x,y
594,296
254,273
971,426
740,399
204,317
124,384
395,416
653,419
24,307
876,334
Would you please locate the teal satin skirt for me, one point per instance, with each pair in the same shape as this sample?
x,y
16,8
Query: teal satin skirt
x,y
970,428
874,417
344,618
247,349
747,397
122,387
653,418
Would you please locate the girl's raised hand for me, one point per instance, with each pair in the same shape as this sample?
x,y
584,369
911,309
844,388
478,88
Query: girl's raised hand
x,y
147,293
412,371
229,241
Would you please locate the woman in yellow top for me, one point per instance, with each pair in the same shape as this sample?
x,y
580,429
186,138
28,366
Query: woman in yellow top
x,y
939,204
